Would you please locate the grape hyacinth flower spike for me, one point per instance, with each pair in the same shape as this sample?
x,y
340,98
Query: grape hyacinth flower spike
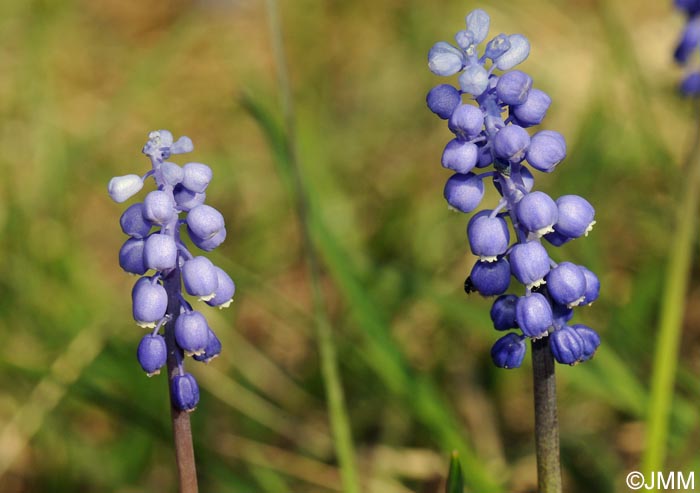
x,y
489,113
689,46
155,252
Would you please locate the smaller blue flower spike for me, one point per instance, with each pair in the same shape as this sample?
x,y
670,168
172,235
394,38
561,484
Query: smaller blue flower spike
x,y
689,46
155,251
489,111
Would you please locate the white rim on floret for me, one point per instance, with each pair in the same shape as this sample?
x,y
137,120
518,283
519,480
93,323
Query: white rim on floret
x,y
488,258
576,302
589,228
146,325
536,284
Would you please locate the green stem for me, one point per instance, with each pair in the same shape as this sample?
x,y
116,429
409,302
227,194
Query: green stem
x,y
340,423
546,420
672,309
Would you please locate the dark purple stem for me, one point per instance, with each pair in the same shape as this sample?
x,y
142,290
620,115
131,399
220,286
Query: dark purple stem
x,y
182,432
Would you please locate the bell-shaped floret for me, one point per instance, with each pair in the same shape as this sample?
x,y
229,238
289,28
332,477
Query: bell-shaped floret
x,y
533,110
184,392
160,252
204,222
131,256
122,188
513,87
460,156
478,22
197,177
191,332
529,263
497,47
172,173
537,213
503,312
488,237
576,216
566,284
466,121
474,80
567,346
212,350
152,353
149,302
464,192
516,54
511,143
445,60
591,340
534,315
442,100
491,278
200,278
592,286
225,289
159,207
133,223
509,351
547,149
187,199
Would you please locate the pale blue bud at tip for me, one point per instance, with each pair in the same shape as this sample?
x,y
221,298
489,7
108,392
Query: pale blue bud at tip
x,y
192,332
474,80
508,352
197,177
478,22
182,146
184,392
464,39
445,60
122,188
516,54
152,353
497,47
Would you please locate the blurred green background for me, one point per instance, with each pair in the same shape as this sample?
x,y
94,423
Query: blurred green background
x,y
83,82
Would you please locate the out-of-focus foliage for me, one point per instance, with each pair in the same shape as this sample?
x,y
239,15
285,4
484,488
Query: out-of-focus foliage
x,y
83,82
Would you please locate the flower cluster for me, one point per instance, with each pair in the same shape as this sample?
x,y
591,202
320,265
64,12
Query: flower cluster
x,y
689,43
484,138
156,253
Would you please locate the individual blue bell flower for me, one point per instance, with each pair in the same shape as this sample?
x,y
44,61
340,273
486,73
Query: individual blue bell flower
x,y
497,47
212,350
159,207
491,278
534,315
204,221
187,199
225,289
590,338
529,263
191,332
547,149
200,278
464,192
133,223
197,177
532,111
160,252
172,173
689,42
567,346
152,353
460,156
566,284
511,143
184,392
488,237
466,121
122,188
445,60
690,86
513,87
516,54
149,302
503,312
478,22
575,217
474,80
537,213
509,351
592,286
131,256
443,99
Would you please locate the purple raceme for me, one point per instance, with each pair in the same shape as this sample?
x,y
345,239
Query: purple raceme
x,y
689,46
489,114
155,252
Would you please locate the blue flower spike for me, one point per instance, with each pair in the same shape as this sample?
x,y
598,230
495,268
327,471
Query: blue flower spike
x,y
156,252
490,108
